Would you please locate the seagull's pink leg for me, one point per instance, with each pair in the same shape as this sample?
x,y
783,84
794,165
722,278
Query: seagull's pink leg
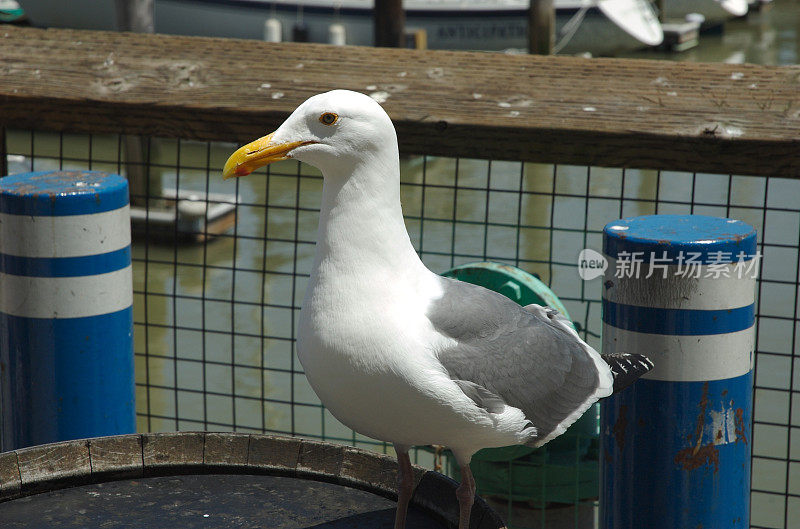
x,y
466,496
405,485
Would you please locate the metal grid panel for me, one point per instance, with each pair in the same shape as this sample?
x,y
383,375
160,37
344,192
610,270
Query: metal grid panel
x,y
215,319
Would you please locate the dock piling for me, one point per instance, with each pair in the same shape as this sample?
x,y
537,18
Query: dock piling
x,y
541,27
66,314
390,21
675,446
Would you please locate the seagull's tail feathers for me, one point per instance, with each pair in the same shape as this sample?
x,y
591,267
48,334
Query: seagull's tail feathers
x,y
626,368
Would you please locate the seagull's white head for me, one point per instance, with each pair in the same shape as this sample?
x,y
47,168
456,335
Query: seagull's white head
x,y
334,130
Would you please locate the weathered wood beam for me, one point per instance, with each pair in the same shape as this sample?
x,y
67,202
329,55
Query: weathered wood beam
x,y
740,119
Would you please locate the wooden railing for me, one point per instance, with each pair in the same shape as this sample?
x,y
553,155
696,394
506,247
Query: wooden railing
x,y
740,119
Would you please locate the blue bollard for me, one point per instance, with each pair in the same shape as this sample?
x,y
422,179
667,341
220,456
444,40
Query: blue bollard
x,y
675,446
66,318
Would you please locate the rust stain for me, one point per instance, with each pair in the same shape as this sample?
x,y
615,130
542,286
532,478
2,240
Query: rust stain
x,y
693,457
739,425
620,426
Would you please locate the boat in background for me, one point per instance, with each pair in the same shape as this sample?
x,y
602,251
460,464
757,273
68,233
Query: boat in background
x,y
600,27
11,12
714,11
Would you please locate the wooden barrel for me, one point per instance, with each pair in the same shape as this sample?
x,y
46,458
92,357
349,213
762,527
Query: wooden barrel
x,y
198,479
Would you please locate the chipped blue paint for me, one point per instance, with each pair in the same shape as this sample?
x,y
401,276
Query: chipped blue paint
x,y
673,234
49,193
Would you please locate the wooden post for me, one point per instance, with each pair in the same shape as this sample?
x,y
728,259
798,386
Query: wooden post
x,y
390,21
541,27
142,182
661,5
137,16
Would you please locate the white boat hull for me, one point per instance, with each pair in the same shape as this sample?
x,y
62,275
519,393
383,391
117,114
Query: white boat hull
x,y
714,11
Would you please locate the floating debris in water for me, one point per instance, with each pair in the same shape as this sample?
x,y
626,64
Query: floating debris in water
x,y
277,95
589,109
476,95
737,75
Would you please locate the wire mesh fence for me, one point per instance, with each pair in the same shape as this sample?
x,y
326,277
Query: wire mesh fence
x,y
220,269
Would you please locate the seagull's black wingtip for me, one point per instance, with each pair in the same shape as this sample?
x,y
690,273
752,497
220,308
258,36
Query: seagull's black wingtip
x,y
626,368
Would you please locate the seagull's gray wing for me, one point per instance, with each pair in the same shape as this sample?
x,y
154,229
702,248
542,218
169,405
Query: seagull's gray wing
x,y
527,357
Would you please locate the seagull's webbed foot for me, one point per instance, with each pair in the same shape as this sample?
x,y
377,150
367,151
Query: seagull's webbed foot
x,y
405,485
466,496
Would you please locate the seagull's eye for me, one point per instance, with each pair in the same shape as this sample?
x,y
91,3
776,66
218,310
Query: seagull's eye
x,y
328,118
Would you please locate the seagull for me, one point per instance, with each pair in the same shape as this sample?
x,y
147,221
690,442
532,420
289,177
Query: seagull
x,y
399,353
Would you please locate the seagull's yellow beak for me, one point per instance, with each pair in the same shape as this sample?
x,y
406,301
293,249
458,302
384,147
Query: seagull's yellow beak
x,y
258,154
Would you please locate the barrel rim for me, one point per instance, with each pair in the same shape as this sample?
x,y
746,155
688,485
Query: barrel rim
x,y
43,468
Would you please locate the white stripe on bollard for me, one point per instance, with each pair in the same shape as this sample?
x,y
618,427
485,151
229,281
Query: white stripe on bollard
x,y
65,297
688,358
704,287
55,236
